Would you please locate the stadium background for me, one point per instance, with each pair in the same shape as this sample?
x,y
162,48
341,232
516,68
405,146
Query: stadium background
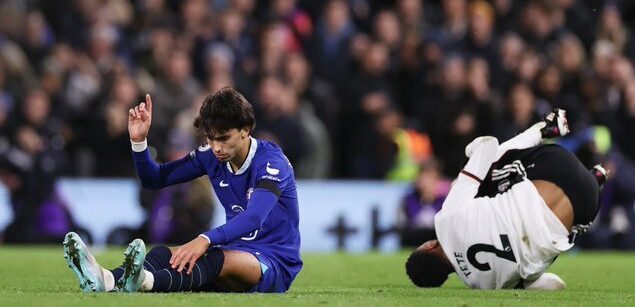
x,y
360,94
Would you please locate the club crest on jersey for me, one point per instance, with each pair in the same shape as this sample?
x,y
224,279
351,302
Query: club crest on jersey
x,y
503,186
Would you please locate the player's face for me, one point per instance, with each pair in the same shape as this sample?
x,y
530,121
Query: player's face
x,y
229,144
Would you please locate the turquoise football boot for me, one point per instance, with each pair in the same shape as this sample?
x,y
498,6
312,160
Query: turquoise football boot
x,y
84,265
134,274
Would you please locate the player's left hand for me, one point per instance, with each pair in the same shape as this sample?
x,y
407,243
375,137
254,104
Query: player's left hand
x,y
188,253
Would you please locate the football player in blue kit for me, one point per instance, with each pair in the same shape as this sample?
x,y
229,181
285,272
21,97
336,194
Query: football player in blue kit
x,y
256,250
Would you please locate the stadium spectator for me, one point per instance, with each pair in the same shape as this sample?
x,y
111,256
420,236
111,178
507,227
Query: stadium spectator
x,y
30,169
110,132
329,48
175,90
316,161
415,219
521,111
279,123
314,91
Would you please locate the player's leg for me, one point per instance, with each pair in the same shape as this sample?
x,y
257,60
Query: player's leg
x,y
233,271
241,271
152,271
158,258
134,273
220,270
555,124
92,276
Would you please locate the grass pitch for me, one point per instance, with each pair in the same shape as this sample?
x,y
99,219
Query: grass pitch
x,y
38,276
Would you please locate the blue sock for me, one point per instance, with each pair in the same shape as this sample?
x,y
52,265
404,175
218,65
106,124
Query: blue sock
x,y
166,279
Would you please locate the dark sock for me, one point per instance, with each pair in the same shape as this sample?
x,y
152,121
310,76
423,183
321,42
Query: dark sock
x,y
205,270
117,273
157,259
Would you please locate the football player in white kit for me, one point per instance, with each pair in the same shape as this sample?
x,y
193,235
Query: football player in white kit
x,y
511,211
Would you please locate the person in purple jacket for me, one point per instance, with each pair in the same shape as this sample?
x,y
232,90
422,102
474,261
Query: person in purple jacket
x,y
256,250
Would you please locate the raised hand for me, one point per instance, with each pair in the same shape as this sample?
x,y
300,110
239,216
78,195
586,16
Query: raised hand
x,y
139,120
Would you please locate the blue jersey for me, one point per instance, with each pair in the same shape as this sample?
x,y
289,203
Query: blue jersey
x,y
278,237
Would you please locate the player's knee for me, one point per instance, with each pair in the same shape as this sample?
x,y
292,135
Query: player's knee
x,y
160,254
241,271
426,269
214,260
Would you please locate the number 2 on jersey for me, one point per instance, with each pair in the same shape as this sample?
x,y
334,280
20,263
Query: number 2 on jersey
x,y
505,253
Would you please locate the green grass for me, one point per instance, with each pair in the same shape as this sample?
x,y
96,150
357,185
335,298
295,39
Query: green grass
x,y
39,276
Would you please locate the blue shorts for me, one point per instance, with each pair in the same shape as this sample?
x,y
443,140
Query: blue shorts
x,y
271,280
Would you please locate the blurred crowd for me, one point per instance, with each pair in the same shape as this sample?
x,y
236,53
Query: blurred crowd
x,y
363,89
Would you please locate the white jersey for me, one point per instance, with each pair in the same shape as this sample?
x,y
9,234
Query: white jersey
x,y
496,242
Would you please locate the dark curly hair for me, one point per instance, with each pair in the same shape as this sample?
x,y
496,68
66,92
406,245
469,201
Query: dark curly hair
x,y
225,110
426,269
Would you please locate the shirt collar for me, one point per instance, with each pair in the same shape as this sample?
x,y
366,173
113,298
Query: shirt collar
x,y
250,156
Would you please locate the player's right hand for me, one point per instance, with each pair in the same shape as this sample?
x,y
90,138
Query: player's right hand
x,y
139,120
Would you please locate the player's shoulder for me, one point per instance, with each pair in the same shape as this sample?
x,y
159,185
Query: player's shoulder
x,y
266,147
268,151
203,155
270,159
202,150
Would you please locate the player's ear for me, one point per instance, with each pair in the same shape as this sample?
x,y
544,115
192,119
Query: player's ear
x,y
244,132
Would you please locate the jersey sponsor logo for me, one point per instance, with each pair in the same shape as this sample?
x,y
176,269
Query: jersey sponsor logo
x,y
269,177
222,184
271,170
249,192
252,235
505,253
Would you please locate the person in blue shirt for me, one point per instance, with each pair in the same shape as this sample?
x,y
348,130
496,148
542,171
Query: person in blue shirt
x,y
256,250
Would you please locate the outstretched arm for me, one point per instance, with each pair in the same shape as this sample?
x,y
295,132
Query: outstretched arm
x,y
153,175
156,176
